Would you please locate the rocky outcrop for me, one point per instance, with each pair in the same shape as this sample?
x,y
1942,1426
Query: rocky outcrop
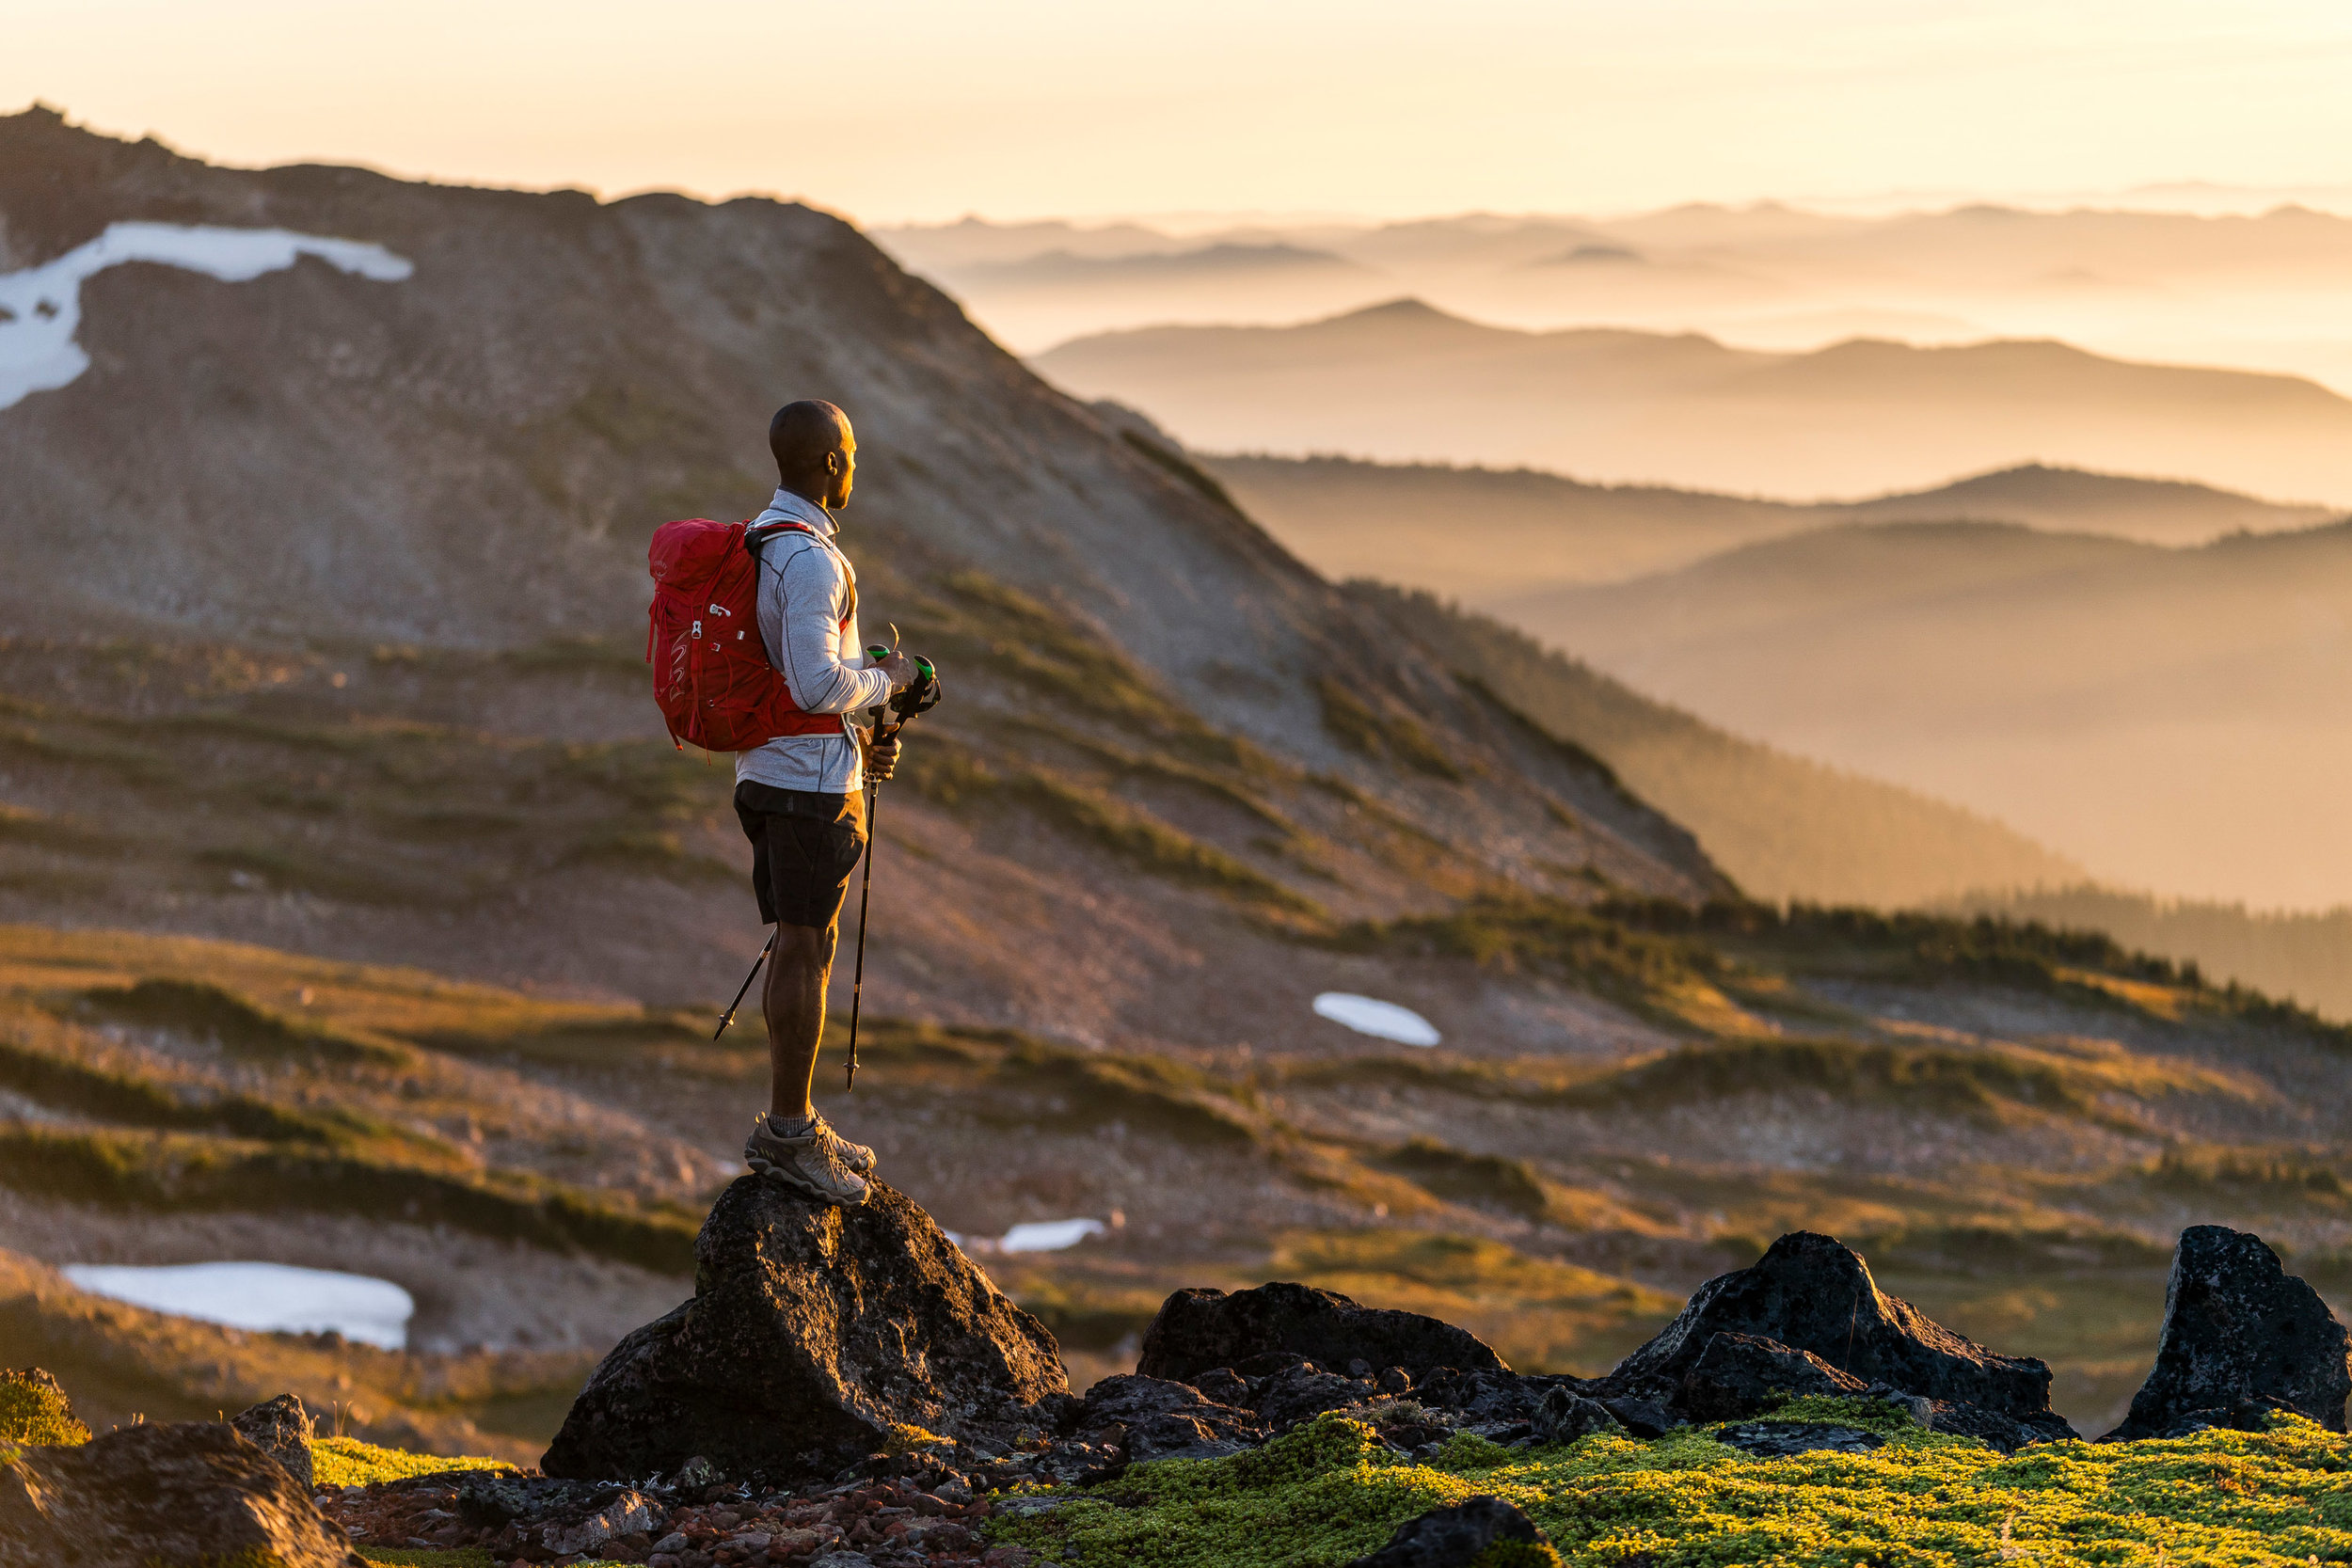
x,y
2241,1337
280,1428
1150,1417
1740,1374
813,1331
1783,1440
193,1491
1812,1293
1565,1416
1454,1537
1197,1331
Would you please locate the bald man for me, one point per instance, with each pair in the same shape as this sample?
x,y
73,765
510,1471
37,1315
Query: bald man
x,y
801,797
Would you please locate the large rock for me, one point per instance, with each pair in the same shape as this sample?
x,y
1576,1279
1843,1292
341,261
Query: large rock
x,y
1151,1418
1739,1375
813,1331
1454,1537
282,1428
2241,1337
1813,1293
183,1494
1199,1330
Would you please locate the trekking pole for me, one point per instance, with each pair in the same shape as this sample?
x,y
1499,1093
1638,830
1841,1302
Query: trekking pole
x,y
864,898
729,1016
920,697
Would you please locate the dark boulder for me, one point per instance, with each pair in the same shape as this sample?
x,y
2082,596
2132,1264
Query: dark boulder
x,y
190,1492
2241,1337
1642,1417
1783,1440
1306,1391
1489,1401
1200,1329
1739,1375
280,1428
1814,1293
1148,1417
1565,1416
1454,1537
811,1332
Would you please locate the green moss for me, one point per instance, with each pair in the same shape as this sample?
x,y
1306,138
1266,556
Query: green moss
x,y
1329,1492
33,1411
348,1461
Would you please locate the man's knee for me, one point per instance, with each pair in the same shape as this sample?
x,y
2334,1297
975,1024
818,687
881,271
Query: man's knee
x,y
803,948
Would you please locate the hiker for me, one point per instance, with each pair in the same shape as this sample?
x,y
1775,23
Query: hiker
x,y
802,797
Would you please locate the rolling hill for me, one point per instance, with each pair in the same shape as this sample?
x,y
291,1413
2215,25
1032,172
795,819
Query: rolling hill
x,y
1406,382
1501,532
2173,719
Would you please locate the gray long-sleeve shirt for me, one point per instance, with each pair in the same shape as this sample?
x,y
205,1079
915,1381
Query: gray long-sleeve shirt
x,y
805,591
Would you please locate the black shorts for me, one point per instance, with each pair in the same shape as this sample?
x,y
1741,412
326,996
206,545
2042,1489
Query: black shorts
x,y
804,849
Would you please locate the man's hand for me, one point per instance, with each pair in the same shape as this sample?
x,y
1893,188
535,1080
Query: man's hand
x,y
900,668
882,759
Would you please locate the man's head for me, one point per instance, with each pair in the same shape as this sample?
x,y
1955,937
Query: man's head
x,y
816,452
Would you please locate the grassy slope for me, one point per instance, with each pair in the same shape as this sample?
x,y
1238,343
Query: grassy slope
x,y
1783,827
2304,956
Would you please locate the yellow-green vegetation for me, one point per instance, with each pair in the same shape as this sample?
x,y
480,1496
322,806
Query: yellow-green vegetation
x,y
1356,725
1329,1492
348,1461
34,1412
425,1557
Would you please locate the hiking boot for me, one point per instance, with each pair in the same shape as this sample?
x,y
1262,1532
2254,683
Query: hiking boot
x,y
809,1163
856,1156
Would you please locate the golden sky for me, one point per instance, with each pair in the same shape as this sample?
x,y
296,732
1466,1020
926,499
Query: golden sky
x,y
894,109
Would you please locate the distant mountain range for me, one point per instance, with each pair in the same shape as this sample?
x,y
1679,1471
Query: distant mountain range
x,y
2267,294
2180,718
1500,532
1406,382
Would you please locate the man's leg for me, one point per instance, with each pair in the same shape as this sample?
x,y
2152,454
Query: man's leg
x,y
794,1003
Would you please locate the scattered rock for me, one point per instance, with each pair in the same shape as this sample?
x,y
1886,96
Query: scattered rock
x,y
1780,1439
1159,1420
1452,1537
1196,1330
631,1513
282,1428
1641,1417
1811,1292
1565,1416
2241,1337
1741,1374
813,1332
1304,1392
172,1492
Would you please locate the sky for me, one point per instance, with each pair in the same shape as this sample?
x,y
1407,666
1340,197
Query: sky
x,y
896,110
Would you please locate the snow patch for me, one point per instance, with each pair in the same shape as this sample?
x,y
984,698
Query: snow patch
x,y
271,1297
1368,1015
40,308
1036,1236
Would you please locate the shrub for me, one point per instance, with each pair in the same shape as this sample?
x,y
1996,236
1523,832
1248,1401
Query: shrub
x,y
34,1410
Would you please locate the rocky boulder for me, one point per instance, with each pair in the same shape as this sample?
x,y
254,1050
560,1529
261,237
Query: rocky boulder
x,y
1739,1375
1148,1417
282,1428
1458,1536
811,1332
1813,1293
193,1491
2241,1337
1199,1330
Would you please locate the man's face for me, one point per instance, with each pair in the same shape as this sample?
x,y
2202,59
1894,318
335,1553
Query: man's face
x,y
841,470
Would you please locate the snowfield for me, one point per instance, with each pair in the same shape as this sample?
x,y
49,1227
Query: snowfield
x,y
272,1297
40,308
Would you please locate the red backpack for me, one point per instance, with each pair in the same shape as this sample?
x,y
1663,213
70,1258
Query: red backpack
x,y
711,675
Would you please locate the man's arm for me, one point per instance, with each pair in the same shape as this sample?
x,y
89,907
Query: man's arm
x,y
810,587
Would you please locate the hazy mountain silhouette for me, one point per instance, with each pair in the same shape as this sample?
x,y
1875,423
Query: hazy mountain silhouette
x,y
2175,719
1405,381
1507,531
